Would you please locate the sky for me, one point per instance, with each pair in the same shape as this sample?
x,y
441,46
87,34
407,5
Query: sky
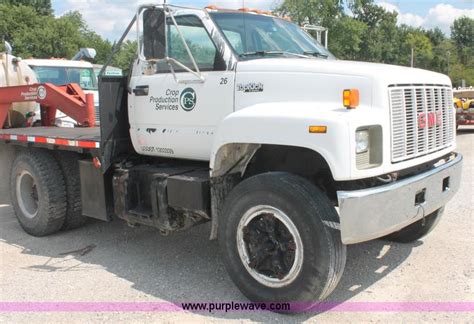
x,y
109,18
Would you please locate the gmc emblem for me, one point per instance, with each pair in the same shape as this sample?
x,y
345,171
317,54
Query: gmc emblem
x,y
431,118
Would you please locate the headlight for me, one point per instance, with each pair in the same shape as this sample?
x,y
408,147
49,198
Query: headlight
x,y
362,141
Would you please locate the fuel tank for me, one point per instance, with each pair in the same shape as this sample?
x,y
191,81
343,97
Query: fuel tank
x,y
14,72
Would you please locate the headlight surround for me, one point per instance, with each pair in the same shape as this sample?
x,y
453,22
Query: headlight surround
x,y
362,141
369,147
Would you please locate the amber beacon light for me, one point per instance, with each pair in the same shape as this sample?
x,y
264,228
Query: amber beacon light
x,y
351,98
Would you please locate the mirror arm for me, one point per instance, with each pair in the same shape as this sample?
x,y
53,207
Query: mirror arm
x,y
172,70
169,60
117,47
197,73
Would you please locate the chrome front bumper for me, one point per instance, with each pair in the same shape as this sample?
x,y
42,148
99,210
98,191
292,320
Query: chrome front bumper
x,y
375,212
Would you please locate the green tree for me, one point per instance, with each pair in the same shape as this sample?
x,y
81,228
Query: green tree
x,y
43,36
346,38
462,33
381,25
84,37
459,72
422,48
443,55
436,36
95,41
315,12
126,55
371,33
42,7
370,13
24,34
362,36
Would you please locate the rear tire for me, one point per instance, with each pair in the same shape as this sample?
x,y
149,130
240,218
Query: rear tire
x,y
416,230
38,192
69,164
280,239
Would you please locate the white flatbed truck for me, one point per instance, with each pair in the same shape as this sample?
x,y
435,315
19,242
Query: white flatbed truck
x,y
240,118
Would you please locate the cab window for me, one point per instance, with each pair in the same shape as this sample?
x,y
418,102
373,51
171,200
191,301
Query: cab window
x,y
85,77
200,43
235,40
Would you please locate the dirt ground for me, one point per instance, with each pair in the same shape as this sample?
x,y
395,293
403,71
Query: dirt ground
x,y
139,265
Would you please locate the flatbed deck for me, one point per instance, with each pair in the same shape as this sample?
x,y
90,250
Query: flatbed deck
x,y
77,139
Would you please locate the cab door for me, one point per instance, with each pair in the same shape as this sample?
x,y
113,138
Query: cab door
x,y
174,114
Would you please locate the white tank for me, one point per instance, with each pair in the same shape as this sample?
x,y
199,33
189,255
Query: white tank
x,y
14,72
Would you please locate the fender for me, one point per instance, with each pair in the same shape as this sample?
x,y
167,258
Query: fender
x,y
283,123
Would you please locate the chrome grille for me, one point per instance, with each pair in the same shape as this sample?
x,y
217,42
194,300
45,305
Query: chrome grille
x,y
422,119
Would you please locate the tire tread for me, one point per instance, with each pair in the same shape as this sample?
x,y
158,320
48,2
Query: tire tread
x,y
50,179
68,162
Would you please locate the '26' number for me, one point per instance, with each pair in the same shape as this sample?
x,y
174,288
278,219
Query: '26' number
x,y
224,81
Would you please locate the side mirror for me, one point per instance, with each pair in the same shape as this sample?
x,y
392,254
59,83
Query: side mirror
x,y
8,48
154,34
89,53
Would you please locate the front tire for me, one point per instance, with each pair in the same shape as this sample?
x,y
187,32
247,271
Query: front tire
x,y
38,192
280,239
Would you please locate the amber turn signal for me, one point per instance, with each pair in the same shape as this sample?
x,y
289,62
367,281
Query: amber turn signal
x,y
318,129
351,98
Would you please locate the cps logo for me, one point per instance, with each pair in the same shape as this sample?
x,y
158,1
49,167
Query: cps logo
x,y
41,92
188,99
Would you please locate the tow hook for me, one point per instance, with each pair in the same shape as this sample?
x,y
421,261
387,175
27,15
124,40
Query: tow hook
x,y
389,178
423,217
420,201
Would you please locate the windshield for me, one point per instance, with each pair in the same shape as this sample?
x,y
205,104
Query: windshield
x,y
85,77
253,35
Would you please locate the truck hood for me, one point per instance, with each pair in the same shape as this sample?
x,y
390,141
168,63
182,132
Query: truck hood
x,y
383,73
322,82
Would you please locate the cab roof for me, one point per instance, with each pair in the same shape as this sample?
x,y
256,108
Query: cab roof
x,y
247,10
58,63
213,8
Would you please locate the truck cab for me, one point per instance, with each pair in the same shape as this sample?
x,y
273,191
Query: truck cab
x,y
259,83
241,118
61,72
253,93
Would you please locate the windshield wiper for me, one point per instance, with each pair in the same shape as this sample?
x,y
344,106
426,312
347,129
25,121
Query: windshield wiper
x,y
316,54
264,53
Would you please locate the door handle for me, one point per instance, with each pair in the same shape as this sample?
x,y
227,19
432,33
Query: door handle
x,y
141,90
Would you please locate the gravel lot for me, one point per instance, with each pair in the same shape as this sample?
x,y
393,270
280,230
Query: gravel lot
x,y
139,265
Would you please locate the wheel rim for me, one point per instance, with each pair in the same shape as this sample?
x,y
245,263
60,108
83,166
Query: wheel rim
x,y
270,246
27,194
